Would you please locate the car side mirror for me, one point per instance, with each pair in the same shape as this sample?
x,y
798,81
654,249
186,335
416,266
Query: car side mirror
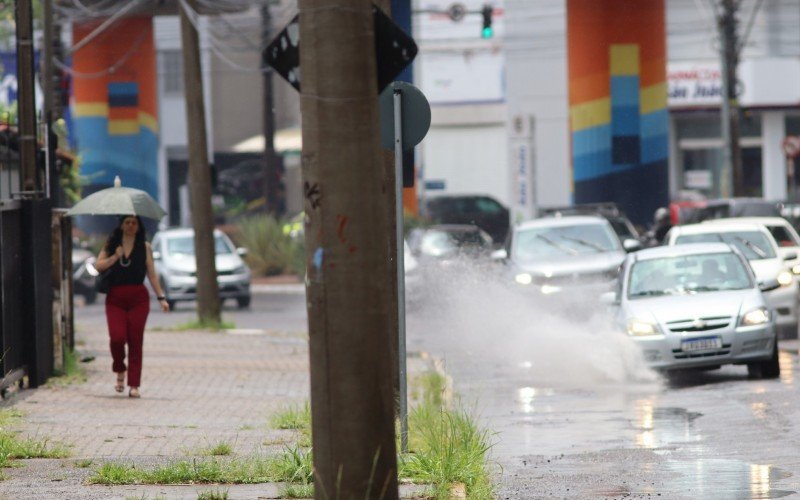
x,y
241,251
156,255
499,255
609,299
790,256
631,245
768,285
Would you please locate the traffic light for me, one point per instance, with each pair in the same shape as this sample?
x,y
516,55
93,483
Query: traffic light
x,y
486,12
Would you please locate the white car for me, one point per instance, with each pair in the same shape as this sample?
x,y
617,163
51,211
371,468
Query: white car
x,y
173,253
761,250
781,229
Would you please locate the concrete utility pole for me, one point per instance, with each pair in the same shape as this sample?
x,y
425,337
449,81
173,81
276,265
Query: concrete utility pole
x,y
273,164
26,109
732,176
352,401
391,278
208,303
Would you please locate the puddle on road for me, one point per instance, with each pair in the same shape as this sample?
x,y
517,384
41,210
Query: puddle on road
x,y
718,478
660,427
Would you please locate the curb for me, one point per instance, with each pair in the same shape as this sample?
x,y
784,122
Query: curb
x,y
287,288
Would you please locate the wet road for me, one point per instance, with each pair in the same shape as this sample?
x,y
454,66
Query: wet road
x,y
578,417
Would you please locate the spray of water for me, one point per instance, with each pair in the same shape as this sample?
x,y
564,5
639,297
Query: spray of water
x,y
561,340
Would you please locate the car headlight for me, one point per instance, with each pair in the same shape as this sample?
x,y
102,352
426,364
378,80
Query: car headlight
x,y
796,269
90,268
175,272
756,317
785,278
639,328
239,270
523,279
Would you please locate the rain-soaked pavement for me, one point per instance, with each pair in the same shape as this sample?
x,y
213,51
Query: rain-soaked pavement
x,y
567,425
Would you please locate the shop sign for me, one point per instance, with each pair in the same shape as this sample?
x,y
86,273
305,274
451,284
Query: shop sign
x,y
692,84
697,179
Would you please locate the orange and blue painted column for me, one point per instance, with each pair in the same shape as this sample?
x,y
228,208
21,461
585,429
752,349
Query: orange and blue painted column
x,y
618,104
115,104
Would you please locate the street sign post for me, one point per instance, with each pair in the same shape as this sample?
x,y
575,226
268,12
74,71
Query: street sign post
x,y
405,119
394,50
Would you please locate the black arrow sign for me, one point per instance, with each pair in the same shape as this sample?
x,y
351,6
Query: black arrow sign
x,y
394,50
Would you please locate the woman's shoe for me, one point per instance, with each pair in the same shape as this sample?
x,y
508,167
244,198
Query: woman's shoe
x,y
120,382
134,392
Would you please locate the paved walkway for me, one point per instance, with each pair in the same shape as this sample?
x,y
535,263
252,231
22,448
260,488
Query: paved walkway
x,y
198,389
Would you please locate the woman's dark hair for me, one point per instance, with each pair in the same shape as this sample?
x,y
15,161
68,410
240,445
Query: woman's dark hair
x,y
115,238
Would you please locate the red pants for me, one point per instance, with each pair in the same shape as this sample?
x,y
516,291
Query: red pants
x,y
127,307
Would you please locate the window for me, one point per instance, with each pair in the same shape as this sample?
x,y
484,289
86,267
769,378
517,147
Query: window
x,y
687,275
782,236
171,71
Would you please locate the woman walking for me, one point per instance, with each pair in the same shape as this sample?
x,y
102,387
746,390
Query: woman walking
x,y
130,258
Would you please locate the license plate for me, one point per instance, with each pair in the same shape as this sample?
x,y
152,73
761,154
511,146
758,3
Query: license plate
x,y
704,344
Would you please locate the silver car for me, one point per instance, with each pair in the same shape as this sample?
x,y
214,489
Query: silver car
x,y
696,306
173,253
555,254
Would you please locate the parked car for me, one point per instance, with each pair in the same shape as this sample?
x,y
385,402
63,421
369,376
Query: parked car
x,y
761,251
610,211
174,256
564,253
445,242
478,210
84,274
696,306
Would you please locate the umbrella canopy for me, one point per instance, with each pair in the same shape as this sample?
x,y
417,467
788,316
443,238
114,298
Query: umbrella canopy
x,y
119,200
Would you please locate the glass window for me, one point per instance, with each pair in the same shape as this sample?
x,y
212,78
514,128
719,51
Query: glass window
x,y
171,71
688,275
564,241
782,236
753,244
488,206
793,125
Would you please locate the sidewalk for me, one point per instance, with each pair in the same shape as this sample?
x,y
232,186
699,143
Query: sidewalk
x,y
198,389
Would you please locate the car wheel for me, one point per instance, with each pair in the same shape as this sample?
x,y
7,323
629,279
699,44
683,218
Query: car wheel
x,y
243,302
770,368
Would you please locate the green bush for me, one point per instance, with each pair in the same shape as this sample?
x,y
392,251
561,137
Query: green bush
x,y
270,252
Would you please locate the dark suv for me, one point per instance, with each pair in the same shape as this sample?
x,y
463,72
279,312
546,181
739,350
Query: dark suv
x,y
479,210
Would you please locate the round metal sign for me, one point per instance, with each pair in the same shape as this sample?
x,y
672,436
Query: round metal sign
x,y
415,114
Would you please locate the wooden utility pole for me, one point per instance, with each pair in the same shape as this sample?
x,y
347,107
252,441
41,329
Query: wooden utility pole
x,y
732,176
347,234
208,303
26,110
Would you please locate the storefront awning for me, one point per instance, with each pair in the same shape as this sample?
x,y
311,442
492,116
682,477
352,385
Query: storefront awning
x,y
286,141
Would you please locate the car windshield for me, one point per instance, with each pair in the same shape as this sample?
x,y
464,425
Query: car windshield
x,y
688,274
753,244
184,245
564,240
435,242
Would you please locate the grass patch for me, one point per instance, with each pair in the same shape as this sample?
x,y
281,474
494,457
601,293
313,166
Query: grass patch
x,y
212,471
294,465
13,447
211,326
71,373
218,450
293,418
447,447
298,491
85,463
213,495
